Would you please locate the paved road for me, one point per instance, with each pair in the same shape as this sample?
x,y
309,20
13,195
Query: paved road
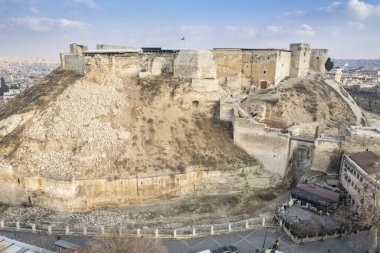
x,y
245,241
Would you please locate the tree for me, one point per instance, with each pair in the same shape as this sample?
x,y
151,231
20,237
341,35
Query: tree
x,y
120,244
3,87
329,64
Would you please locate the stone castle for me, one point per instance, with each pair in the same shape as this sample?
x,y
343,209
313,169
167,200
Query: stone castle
x,y
236,69
115,112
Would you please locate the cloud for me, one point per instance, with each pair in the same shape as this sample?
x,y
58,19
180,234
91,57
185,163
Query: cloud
x,y
274,29
356,25
241,31
195,29
43,24
296,13
305,30
333,31
66,23
362,9
34,10
89,3
331,7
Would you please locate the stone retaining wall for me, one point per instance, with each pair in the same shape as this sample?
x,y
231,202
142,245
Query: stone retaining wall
x,y
87,194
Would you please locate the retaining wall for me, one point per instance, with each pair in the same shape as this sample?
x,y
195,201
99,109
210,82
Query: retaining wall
x,y
87,194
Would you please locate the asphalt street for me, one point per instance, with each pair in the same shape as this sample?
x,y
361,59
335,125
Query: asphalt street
x,y
245,241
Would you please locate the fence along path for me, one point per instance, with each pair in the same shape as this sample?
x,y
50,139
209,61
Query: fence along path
x,y
161,232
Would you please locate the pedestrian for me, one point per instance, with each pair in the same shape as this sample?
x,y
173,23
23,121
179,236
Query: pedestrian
x,y
275,245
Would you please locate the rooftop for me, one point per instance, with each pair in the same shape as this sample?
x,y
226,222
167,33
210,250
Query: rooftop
x,y
253,49
317,190
12,246
368,161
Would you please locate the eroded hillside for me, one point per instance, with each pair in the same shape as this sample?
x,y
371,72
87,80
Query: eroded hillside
x,y
69,127
304,100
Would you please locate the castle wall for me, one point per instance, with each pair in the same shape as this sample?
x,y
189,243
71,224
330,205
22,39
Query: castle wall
x,y
269,146
228,62
282,66
300,59
263,68
235,69
97,67
228,68
238,69
247,68
198,64
11,189
318,59
73,62
324,153
83,194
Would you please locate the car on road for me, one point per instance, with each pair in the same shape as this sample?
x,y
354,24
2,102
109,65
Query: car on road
x,y
234,249
229,249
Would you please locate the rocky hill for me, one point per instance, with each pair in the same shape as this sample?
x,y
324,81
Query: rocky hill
x,y
306,100
70,127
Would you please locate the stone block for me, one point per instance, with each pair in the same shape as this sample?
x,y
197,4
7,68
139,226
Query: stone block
x,y
197,64
157,65
204,85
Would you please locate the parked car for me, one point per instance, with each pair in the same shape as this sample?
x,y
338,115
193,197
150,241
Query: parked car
x,y
234,249
205,251
229,249
273,251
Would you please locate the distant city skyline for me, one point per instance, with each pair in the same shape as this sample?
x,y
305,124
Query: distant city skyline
x,y
42,28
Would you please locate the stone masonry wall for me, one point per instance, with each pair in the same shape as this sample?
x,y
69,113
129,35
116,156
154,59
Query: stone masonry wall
x,y
73,62
282,66
79,195
318,59
268,146
198,64
300,62
263,67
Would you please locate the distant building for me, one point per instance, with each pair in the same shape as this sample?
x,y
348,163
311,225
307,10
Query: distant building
x,y
336,74
359,175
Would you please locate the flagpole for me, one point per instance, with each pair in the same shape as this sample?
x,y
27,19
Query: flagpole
x,y
184,42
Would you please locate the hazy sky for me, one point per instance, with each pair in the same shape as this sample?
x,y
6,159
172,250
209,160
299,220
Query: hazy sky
x,y
43,28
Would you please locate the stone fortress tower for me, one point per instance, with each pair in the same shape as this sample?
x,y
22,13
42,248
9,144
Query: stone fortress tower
x,y
318,59
300,62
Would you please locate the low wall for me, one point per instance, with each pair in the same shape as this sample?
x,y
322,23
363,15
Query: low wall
x,y
158,232
87,194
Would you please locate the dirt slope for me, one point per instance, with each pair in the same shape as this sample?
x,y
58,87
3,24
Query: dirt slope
x,y
78,128
302,100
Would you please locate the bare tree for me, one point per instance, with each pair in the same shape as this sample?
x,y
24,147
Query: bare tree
x,y
127,245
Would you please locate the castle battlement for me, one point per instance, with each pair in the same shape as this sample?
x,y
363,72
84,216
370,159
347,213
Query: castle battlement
x,y
234,68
